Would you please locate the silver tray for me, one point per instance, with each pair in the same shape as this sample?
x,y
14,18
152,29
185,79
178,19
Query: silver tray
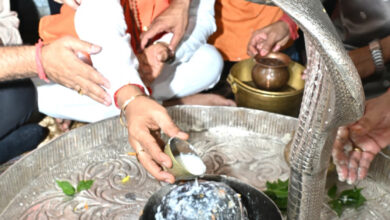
x,y
243,143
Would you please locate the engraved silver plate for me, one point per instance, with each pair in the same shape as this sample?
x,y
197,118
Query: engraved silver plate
x,y
244,143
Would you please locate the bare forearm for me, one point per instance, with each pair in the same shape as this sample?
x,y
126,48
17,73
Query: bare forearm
x,y
363,61
187,2
385,44
17,62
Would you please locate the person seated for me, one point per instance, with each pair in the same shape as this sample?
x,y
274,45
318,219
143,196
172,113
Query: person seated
x,y
18,98
245,29
196,67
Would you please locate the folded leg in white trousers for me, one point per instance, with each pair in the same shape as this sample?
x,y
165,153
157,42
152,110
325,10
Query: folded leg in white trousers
x,y
202,72
186,76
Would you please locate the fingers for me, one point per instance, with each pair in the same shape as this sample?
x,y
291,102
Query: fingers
x,y
364,164
169,127
175,41
79,45
73,3
340,157
162,57
256,43
280,44
153,30
230,102
364,125
87,81
162,52
267,45
353,166
150,165
149,143
63,124
93,75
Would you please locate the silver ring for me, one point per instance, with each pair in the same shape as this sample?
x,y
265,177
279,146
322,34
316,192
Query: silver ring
x,y
138,152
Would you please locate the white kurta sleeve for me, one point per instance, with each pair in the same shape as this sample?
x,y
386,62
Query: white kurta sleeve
x,y
9,23
102,22
201,24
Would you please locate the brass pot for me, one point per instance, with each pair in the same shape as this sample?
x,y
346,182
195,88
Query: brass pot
x,y
271,72
286,101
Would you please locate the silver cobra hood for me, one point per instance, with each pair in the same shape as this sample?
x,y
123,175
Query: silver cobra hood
x,y
333,96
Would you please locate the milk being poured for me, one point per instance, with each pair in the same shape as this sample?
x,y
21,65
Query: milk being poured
x,y
192,163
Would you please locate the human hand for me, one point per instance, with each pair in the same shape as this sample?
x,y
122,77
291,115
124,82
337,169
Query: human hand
x,y
368,136
269,38
62,65
362,59
145,119
63,124
72,3
173,20
152,60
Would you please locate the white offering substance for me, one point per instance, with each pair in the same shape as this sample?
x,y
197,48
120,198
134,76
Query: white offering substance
x,y
192,163
286,138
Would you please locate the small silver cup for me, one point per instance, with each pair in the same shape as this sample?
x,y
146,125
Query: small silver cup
x,y
175,148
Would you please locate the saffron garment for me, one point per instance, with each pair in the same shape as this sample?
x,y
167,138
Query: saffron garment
x,y
197,65
236,21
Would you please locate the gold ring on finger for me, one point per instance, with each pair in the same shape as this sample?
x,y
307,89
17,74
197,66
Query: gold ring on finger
x,y
80,91
357,149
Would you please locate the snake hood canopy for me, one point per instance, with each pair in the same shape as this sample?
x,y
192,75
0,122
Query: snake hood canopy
x,y
333,96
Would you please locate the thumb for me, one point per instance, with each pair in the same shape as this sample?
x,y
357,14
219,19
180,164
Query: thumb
x,y
281,43
170,128
267,45
365,124
174,42
79,45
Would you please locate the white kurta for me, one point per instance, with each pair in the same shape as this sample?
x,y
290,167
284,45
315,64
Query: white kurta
x,y
9,23
197,66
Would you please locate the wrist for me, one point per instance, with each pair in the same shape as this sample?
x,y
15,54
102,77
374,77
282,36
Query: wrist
x,y
38,60
123,93
292,26
185,3
180,1
285,26
126,102
385,43
377,56
32,65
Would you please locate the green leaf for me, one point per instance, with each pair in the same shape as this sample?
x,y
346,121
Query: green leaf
x,y
278,192
66,187
281,193
84,185
332,192
337,206
350,198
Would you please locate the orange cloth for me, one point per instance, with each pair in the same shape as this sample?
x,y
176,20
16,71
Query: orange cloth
x,y
53,27
149,10
236,20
